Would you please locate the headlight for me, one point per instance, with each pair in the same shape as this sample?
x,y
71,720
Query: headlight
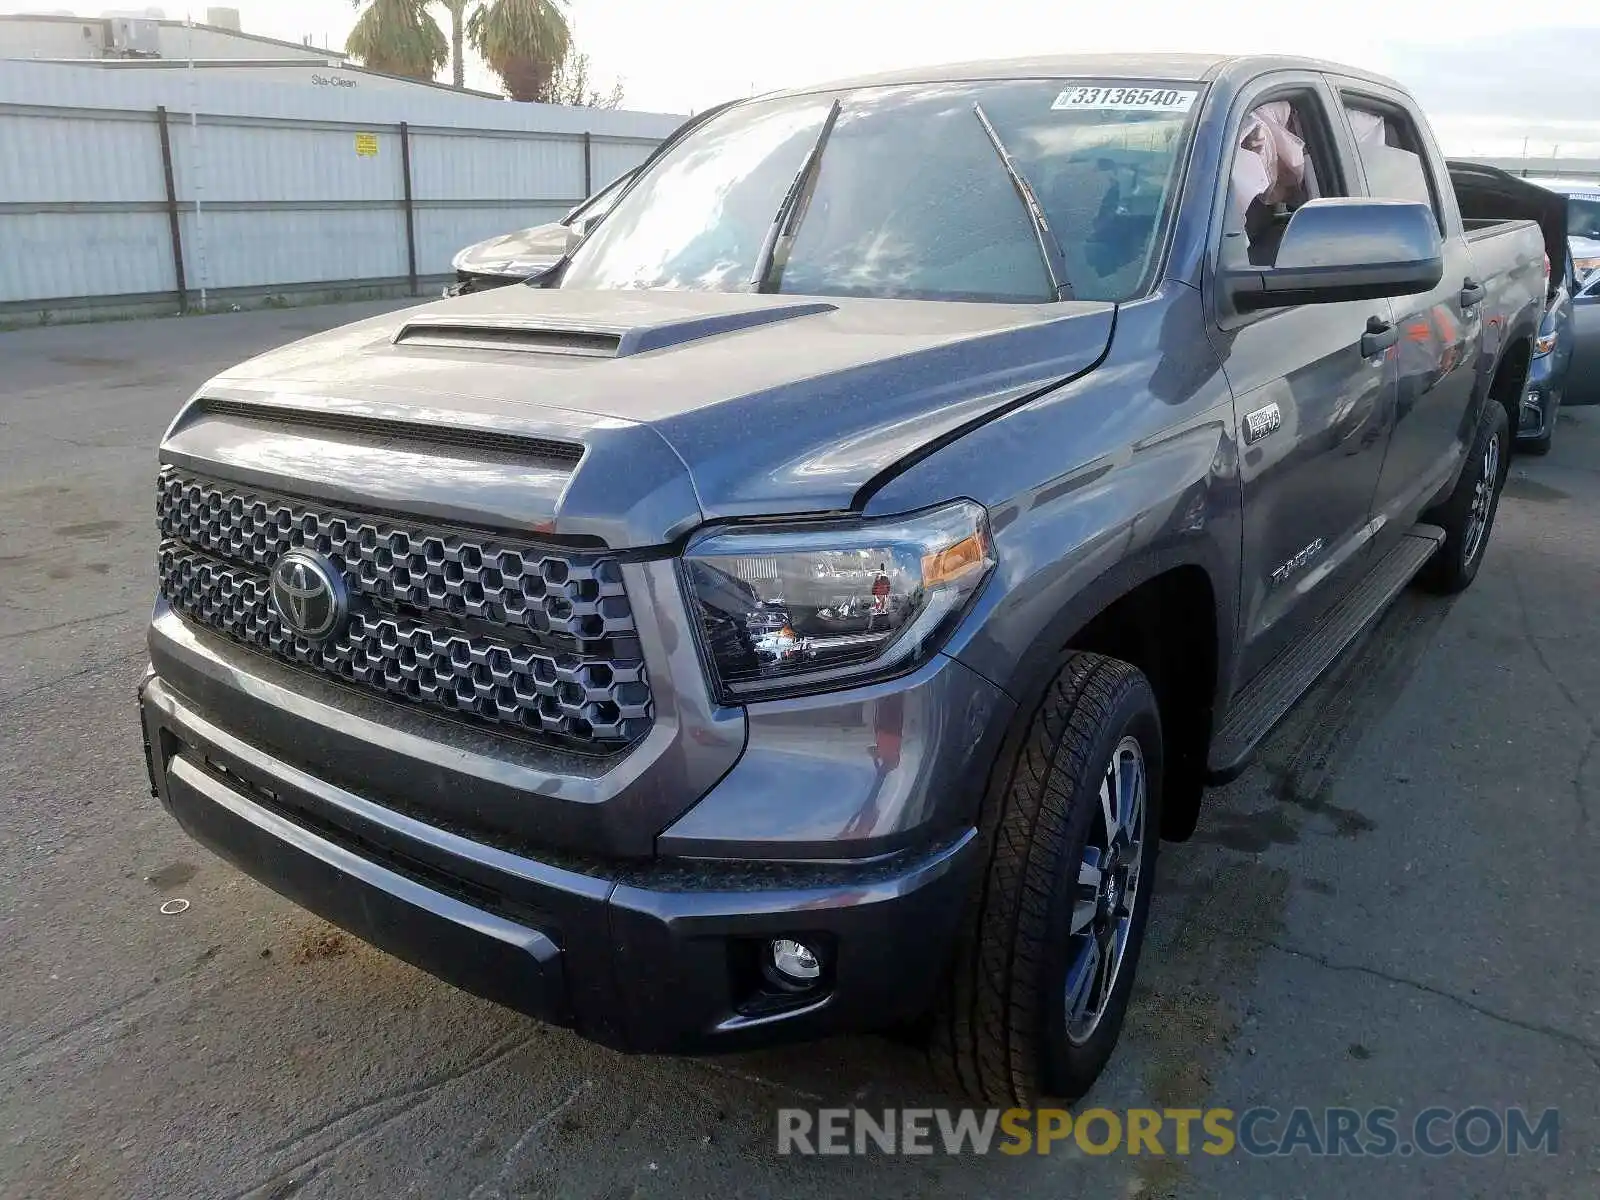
x,y
805,608
1546,342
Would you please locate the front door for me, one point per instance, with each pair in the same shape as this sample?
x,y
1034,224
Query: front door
x,y
1312,405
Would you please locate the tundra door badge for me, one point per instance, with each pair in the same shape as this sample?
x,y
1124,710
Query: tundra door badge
x,y
1262,422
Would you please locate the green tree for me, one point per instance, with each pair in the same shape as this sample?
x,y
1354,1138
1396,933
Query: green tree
x,y
571,85
525,42
398,37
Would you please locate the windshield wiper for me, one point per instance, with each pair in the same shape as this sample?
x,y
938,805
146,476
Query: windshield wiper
x,y
793,209
1055,263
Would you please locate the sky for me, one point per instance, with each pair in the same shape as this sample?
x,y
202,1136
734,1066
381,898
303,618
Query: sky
x,y
1486,87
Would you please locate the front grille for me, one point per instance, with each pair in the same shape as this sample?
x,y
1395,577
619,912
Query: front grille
x,y
511,634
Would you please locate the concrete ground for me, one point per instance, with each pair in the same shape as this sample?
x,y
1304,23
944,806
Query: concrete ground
x,y
1397,906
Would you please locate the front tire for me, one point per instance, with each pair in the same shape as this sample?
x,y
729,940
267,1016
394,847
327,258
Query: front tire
x,y
1044,966
1468,515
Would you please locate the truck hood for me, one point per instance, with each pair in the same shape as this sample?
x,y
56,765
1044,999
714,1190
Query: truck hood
x,y
628,417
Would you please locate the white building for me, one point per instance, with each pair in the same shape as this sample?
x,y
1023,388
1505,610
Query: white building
x,y
215,49
127,36
268,171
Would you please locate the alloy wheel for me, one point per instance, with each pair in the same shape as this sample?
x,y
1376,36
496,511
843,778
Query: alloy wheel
x,y
1482,501
1107,890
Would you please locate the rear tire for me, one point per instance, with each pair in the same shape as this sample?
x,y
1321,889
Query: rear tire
x,y
1028,1011
1468,515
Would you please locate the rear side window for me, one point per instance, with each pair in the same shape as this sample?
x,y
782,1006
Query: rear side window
x,y
1391,155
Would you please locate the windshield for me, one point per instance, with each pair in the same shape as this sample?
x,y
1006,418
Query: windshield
x,y
910,198
1583,216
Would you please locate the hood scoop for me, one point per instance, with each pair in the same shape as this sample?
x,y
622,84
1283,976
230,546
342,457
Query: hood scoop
x,y
588,340
488,335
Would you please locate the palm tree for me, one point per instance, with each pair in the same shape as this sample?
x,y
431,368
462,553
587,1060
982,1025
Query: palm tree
x,y
458,40
523,41
398,37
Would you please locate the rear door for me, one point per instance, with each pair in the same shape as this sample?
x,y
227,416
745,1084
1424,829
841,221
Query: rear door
x,y
1441,332
1312,402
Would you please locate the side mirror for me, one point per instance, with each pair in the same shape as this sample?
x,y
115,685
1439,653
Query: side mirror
x,y
1345,249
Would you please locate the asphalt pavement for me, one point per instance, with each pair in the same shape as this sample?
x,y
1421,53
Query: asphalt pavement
x,y
1397,906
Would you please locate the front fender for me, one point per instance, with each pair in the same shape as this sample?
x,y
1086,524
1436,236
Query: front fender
x,y
1094,489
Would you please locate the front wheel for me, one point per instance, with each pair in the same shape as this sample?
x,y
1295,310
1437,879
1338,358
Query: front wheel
x,y
1044,967
1468,515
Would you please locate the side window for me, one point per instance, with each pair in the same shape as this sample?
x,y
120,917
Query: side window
x,y
1282,158
1391,155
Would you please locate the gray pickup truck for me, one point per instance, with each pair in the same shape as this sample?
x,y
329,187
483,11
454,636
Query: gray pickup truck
x,y
810,608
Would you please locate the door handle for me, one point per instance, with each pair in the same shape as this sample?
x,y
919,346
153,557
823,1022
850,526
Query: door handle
x,y
1472,293
1380,335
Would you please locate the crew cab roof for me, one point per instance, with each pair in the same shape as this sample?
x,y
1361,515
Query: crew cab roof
x,y
1196,68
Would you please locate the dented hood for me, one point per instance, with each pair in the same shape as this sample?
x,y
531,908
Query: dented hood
x,y
628,416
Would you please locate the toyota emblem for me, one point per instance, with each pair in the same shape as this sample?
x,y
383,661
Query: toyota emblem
x,y
308,593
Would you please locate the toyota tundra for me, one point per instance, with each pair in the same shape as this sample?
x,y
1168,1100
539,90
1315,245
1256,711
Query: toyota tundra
x,y
809,608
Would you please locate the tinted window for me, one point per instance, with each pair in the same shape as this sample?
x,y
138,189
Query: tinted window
x,y
1583,217
911,199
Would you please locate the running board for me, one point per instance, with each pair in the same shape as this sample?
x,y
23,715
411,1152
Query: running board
x,y
1274,692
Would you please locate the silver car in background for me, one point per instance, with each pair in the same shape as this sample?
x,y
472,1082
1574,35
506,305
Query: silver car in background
x,y
1583,221
1583,239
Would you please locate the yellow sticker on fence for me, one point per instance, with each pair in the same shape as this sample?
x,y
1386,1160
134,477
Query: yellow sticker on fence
x,y
367,145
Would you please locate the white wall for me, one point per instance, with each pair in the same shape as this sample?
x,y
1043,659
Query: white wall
x,y
287,199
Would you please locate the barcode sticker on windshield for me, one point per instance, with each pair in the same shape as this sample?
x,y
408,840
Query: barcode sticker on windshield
x,y
1127,99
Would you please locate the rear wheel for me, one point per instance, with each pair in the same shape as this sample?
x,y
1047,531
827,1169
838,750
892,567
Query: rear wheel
x,y
1044,966
1468,515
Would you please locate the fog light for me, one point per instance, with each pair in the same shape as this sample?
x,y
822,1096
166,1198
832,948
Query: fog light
x,y
793,964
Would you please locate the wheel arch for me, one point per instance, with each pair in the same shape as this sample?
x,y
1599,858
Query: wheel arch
x,y
1510,381
1167,613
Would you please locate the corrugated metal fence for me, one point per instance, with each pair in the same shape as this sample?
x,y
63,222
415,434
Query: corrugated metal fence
x,y
109,204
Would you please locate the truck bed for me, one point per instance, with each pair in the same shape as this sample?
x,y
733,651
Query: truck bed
x,y
1482,228
1493,201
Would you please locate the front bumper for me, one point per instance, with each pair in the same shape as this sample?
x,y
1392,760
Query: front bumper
x,y
660,956
1541,398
